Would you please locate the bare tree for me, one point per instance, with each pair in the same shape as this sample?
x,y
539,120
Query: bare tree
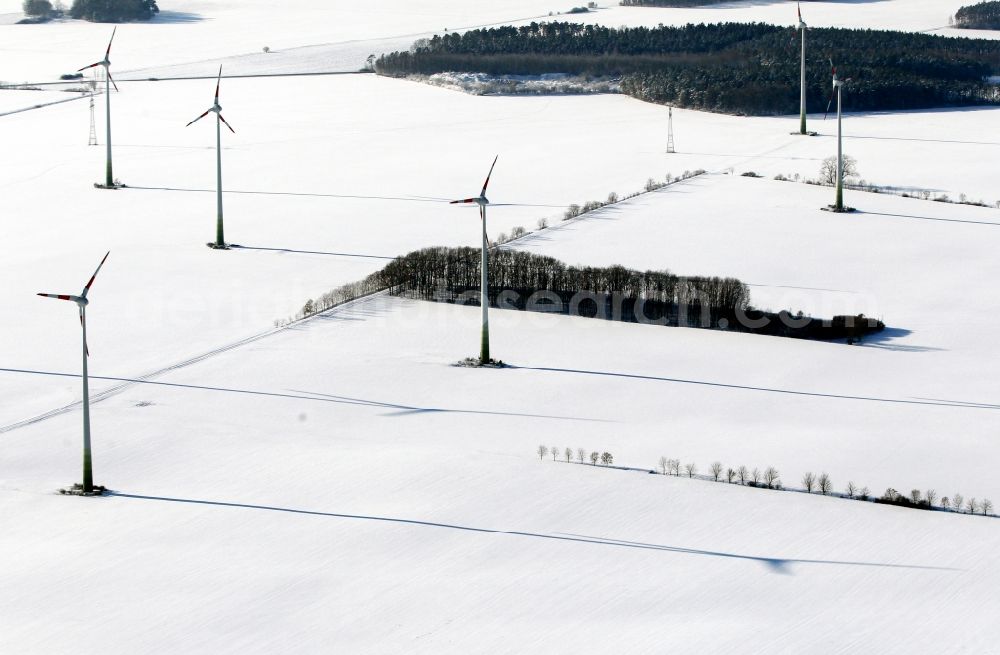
x,y
931,497
555,453
755,476
825,484
663,465
864,494
987,506
742,473
690,469
716,470
607,458
809,482
915,496
957,502
828,171
730,474
972,505
771,477
569,454
851,490
581,455
594,456
675,466
946,502
542,452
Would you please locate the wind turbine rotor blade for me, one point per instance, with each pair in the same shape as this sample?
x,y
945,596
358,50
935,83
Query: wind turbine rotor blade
x,y
57,296
112,79
488,176
218,83
829,103
107,53
207,112
227,124
86,346
91,66
466,200
94,276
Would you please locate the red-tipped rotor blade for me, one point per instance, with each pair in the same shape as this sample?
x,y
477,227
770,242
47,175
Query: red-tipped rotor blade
x,y
86,346
207,112
57,296
91,66
92,277
107,53
799,5
227,124
830,102
487,182
218,83
112,80
482,212
466,200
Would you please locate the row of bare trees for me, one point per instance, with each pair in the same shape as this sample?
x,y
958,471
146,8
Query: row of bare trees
x,y
823,484
580,454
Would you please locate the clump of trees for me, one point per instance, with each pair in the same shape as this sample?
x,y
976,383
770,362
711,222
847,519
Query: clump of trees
x,y
37,8
980,16
733,68
113,11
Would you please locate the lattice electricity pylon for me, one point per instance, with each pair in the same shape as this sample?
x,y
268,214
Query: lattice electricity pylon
x,y
670,130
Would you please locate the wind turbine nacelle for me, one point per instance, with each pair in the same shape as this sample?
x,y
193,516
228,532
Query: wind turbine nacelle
x,y
482,201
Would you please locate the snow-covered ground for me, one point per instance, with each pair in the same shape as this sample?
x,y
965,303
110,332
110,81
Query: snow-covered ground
x,y
397,503
340,486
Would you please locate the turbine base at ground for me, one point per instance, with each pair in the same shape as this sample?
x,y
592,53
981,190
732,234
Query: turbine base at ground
x,y
216,246
476,362
842,210
98,185
810,133
77,490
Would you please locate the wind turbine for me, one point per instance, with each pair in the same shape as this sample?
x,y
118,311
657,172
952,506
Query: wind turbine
x,y
220,242
109,180
838,85
484,299
802,93
82,302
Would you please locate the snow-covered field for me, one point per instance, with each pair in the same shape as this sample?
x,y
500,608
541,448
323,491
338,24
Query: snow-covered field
x,y
347,488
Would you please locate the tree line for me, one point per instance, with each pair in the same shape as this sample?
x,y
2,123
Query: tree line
x,y
981,16
526,281
770,478
739,68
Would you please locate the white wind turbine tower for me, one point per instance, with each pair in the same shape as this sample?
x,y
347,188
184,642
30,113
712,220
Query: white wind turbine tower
x,y
109,179
82,302
802,93
838,85
484,299
220,242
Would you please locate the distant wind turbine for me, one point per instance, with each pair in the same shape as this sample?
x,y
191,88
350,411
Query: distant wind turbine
x,y
802,93
109,180
838,85
220,242
484,299
82,302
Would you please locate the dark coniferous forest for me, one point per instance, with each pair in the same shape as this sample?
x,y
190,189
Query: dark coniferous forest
x,y
735,68
981,16
526,281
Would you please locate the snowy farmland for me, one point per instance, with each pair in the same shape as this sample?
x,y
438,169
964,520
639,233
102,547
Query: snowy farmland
x,y
339,485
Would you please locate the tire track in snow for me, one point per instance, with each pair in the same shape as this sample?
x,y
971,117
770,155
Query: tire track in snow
x,y
118,388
